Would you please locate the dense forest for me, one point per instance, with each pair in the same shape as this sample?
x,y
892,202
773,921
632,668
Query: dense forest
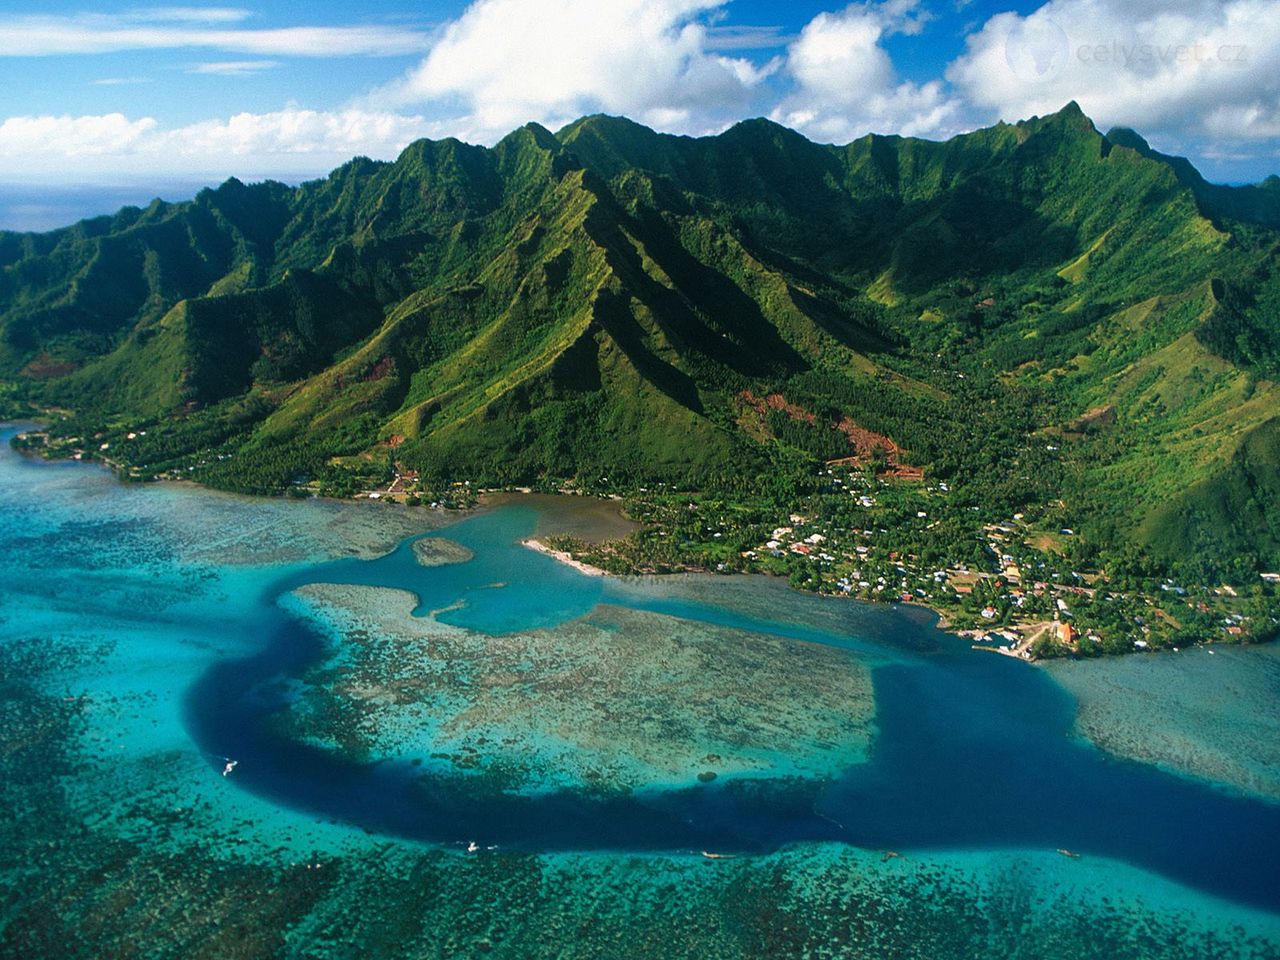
x,y
1042,317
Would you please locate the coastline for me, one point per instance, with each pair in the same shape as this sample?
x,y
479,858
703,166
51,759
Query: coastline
x,y
594,531
533,543
1019,653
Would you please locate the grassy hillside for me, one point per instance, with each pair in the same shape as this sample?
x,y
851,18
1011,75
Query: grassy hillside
x,y
1036,313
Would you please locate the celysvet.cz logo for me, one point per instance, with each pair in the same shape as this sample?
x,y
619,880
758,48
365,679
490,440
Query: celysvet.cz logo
x,y
1038,50
1142,54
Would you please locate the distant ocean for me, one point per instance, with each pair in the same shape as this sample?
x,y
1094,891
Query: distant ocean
x,y
40,207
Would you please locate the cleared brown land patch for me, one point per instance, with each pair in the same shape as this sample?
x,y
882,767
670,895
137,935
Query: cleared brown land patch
x,y
45,367
866,445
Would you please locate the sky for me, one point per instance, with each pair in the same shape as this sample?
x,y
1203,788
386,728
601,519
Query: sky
x,y
113,102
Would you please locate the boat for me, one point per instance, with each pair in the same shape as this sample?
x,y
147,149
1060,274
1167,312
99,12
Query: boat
x,y
1069,853
719,856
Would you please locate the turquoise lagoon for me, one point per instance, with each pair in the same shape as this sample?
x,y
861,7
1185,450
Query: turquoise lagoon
x,y
534,764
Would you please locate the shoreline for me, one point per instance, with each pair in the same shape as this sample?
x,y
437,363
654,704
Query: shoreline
x,y
1019,652
490,498
533,543
943,624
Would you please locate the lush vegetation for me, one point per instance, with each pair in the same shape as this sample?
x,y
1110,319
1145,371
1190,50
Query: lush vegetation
x,y
1050,321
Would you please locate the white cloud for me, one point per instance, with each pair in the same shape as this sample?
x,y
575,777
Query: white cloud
x,y
58,137
846,84
234,68
1254,120
510,61
288,142
190,14
295,132
1197,76
38,36
1172,69
727,37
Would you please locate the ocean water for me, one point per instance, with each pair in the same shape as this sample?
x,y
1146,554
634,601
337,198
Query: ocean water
x,y
881,789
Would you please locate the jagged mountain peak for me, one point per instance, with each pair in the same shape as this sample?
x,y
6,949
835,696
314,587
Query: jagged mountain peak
x,y
603,298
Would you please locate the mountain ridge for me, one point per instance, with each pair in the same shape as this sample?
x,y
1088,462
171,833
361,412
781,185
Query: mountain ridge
x,y
598,301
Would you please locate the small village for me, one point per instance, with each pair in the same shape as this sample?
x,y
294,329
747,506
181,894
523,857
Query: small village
x,y
1007,585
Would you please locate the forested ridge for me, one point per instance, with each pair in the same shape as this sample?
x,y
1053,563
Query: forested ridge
x,y
1036,314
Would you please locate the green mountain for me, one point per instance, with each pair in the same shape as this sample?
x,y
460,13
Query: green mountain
x,y
1033,312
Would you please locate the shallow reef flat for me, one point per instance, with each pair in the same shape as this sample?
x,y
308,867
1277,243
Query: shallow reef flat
x,y
95,514
169,875
769,600
78,886
440,552
616,700
232,530
91,739
114,599
1210,715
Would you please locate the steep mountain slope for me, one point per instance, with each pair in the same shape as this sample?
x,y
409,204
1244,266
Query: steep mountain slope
x,y
609,301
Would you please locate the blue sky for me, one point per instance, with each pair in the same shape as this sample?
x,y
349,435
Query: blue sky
x,y
114,99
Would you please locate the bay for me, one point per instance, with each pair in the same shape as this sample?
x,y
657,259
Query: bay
x,y
155,635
